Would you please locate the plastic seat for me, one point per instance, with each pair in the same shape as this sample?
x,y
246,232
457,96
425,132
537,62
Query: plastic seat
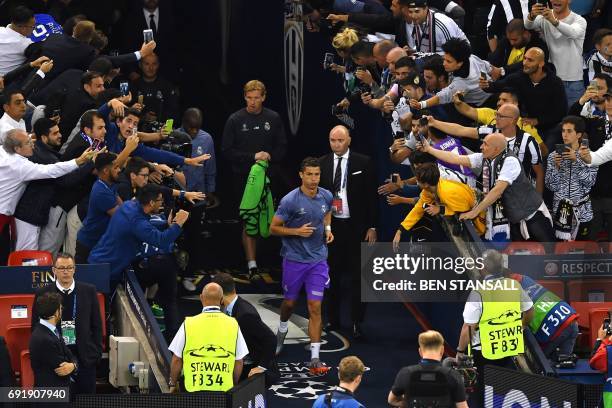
x,y
27,374
17,340
555,286
579,290
577,247
606,247
15,310
40,258
525,248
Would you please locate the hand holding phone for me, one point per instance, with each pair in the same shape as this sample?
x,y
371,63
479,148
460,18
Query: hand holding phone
x,y
168,125
584,142
147,35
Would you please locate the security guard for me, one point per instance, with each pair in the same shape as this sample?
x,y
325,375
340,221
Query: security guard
x,y
494,319
209,347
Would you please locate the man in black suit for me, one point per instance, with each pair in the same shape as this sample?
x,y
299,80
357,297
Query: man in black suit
x,y
52,362
260,340
81,329
349,176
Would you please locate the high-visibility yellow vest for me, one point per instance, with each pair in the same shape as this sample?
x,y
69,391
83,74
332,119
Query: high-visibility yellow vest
x,y
501,324
210,352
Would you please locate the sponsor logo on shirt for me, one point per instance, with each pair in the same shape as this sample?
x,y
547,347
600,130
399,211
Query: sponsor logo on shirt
x,y
245,128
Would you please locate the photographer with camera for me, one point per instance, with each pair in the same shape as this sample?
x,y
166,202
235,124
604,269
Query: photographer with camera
x,y
428,383
601,359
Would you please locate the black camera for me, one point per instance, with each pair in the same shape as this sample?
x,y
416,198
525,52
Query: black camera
x,y
465,367
566,361
360,90
177,142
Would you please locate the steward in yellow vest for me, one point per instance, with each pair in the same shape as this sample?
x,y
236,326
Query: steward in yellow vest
x,y
209,347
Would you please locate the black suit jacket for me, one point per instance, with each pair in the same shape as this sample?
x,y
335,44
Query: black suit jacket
x,y
260,340
361,189
47,352
88,322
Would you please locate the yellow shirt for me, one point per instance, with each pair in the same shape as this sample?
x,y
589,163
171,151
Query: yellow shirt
x,y
456,197
486,116
516,55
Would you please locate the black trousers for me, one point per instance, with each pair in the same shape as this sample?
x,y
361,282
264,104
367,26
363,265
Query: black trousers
x,y
81,253
539,227
162,269
344,265
271,375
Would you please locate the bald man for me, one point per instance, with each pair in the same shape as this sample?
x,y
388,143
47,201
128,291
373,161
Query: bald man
x,y
515,209
209,347
523,145
541,93
350,178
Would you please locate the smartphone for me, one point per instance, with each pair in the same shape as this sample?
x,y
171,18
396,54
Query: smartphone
x,y
328,60
169,124
584,142
140,99
594,85
124,88
97,144
148,36
606,326
399,134
560,148
483,75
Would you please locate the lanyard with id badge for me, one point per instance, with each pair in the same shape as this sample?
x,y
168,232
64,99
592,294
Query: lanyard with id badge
x,y
69,326
337,200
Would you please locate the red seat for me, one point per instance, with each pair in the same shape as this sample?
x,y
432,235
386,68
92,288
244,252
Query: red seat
x,y
525,248
555,286
102,304
579,290
17,340
27,374
606,247
15,310
584,309
41,258
577,247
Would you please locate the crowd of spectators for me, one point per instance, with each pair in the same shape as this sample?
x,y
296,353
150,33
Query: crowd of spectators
x,y
88,152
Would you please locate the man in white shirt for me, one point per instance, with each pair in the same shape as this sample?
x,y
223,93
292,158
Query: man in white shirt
x,y
15,172
14,110
14,39
564,32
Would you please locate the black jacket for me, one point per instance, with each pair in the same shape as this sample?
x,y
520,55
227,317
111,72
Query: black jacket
x,y
75,104
40,195
68,197
361,189
47,352
65,83
260,340
595,129
384,23
545,101
68,52
88,321
499,57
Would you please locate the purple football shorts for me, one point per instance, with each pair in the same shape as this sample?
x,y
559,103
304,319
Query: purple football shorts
x,y
315,276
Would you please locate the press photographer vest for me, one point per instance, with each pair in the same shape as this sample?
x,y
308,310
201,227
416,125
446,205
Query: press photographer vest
x,y
607,393
501,324
520,199
551,314
209,353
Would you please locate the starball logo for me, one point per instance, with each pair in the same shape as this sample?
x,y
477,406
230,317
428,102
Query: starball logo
x,y
294,63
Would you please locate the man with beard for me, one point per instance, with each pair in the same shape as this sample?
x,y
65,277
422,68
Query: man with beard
x,y
103,201
511,49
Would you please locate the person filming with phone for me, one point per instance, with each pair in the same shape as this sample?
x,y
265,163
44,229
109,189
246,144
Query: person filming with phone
x,y
571,180
601,359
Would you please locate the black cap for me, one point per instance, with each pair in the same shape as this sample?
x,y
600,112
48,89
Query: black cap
x,y
417,3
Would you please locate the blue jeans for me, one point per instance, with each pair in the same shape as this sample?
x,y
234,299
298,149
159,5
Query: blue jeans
x,y
573,91
564,342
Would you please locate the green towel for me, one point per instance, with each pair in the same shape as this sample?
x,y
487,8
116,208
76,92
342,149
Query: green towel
x,y
256,207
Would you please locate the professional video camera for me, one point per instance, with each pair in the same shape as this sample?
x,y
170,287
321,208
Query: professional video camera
x,y
465,367
177,142
566,361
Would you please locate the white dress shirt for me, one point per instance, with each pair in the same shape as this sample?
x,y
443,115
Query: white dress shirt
x,y
343,184
7,123
147,15
12,46
16,171
62,289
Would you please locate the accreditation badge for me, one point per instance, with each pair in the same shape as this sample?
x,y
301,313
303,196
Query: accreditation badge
x,y
337,206
69,332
